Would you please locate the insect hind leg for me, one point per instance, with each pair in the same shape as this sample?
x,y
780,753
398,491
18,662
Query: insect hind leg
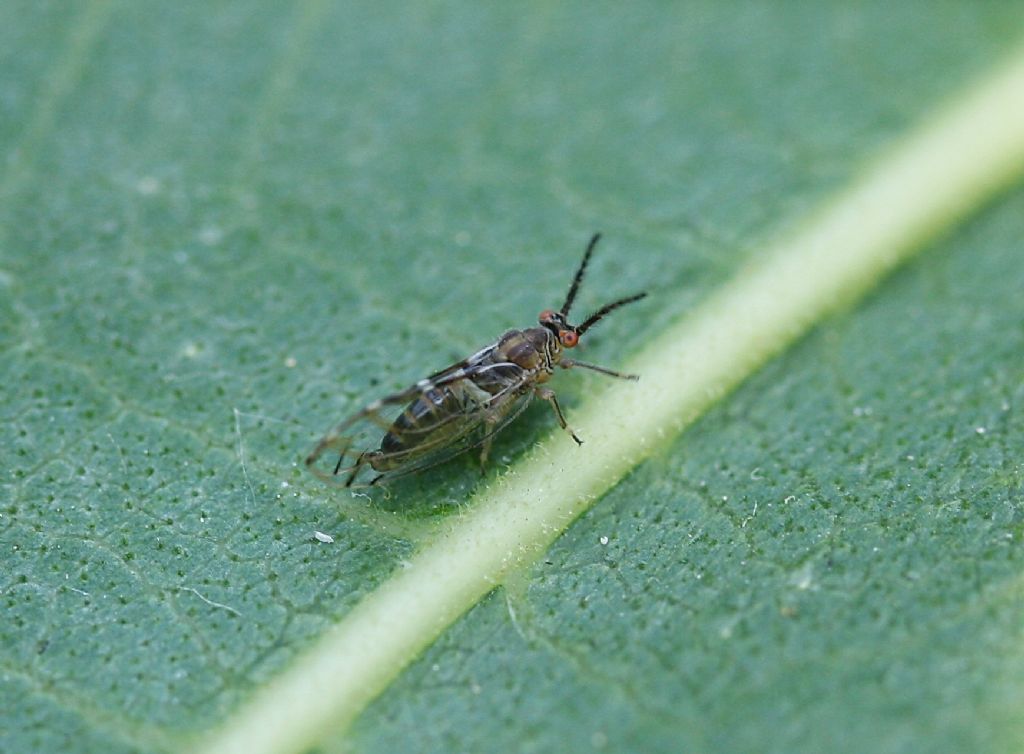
x,y
343,447
356,468
329,442
341,456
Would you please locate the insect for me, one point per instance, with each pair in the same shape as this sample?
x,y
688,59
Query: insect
x,y
462,406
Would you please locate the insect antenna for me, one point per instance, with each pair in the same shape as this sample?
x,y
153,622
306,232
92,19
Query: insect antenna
x,y
564,311
597,316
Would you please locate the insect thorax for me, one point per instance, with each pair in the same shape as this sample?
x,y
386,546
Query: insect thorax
x,y
536,350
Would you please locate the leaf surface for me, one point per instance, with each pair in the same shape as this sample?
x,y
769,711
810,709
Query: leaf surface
x,y
225,227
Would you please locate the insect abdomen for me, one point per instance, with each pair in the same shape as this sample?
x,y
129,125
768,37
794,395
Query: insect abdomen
x,y
420,424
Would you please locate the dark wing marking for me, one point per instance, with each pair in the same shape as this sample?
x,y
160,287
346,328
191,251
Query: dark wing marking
x,y
470,361
356,440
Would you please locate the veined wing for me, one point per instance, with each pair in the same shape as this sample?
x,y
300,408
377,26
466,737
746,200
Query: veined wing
x,y
480,358
461,415
472,433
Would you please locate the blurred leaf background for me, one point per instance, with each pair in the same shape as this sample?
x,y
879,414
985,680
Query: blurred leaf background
x,y
224,225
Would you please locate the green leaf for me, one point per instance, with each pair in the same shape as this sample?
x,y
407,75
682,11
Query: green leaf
x,y
226,227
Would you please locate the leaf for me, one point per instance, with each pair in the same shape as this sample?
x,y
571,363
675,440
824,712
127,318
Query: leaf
x,y
223,229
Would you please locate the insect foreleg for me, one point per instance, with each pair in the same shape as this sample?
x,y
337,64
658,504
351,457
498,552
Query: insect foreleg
x,y
570,363
549,395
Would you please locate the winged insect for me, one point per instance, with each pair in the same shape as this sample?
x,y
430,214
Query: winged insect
x,y
464,405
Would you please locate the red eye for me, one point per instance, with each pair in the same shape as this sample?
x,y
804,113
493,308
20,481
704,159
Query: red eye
x,y
546,316
569,338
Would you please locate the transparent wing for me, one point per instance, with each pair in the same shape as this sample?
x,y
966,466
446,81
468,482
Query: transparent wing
x,y
472,434
478,359
356,454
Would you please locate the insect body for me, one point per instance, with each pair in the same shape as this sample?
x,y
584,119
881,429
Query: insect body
x,y
462,406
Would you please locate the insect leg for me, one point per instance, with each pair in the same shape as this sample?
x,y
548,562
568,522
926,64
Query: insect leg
x,y
485,449
356,468
336,439
333,442
549,395
346,444
570,363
